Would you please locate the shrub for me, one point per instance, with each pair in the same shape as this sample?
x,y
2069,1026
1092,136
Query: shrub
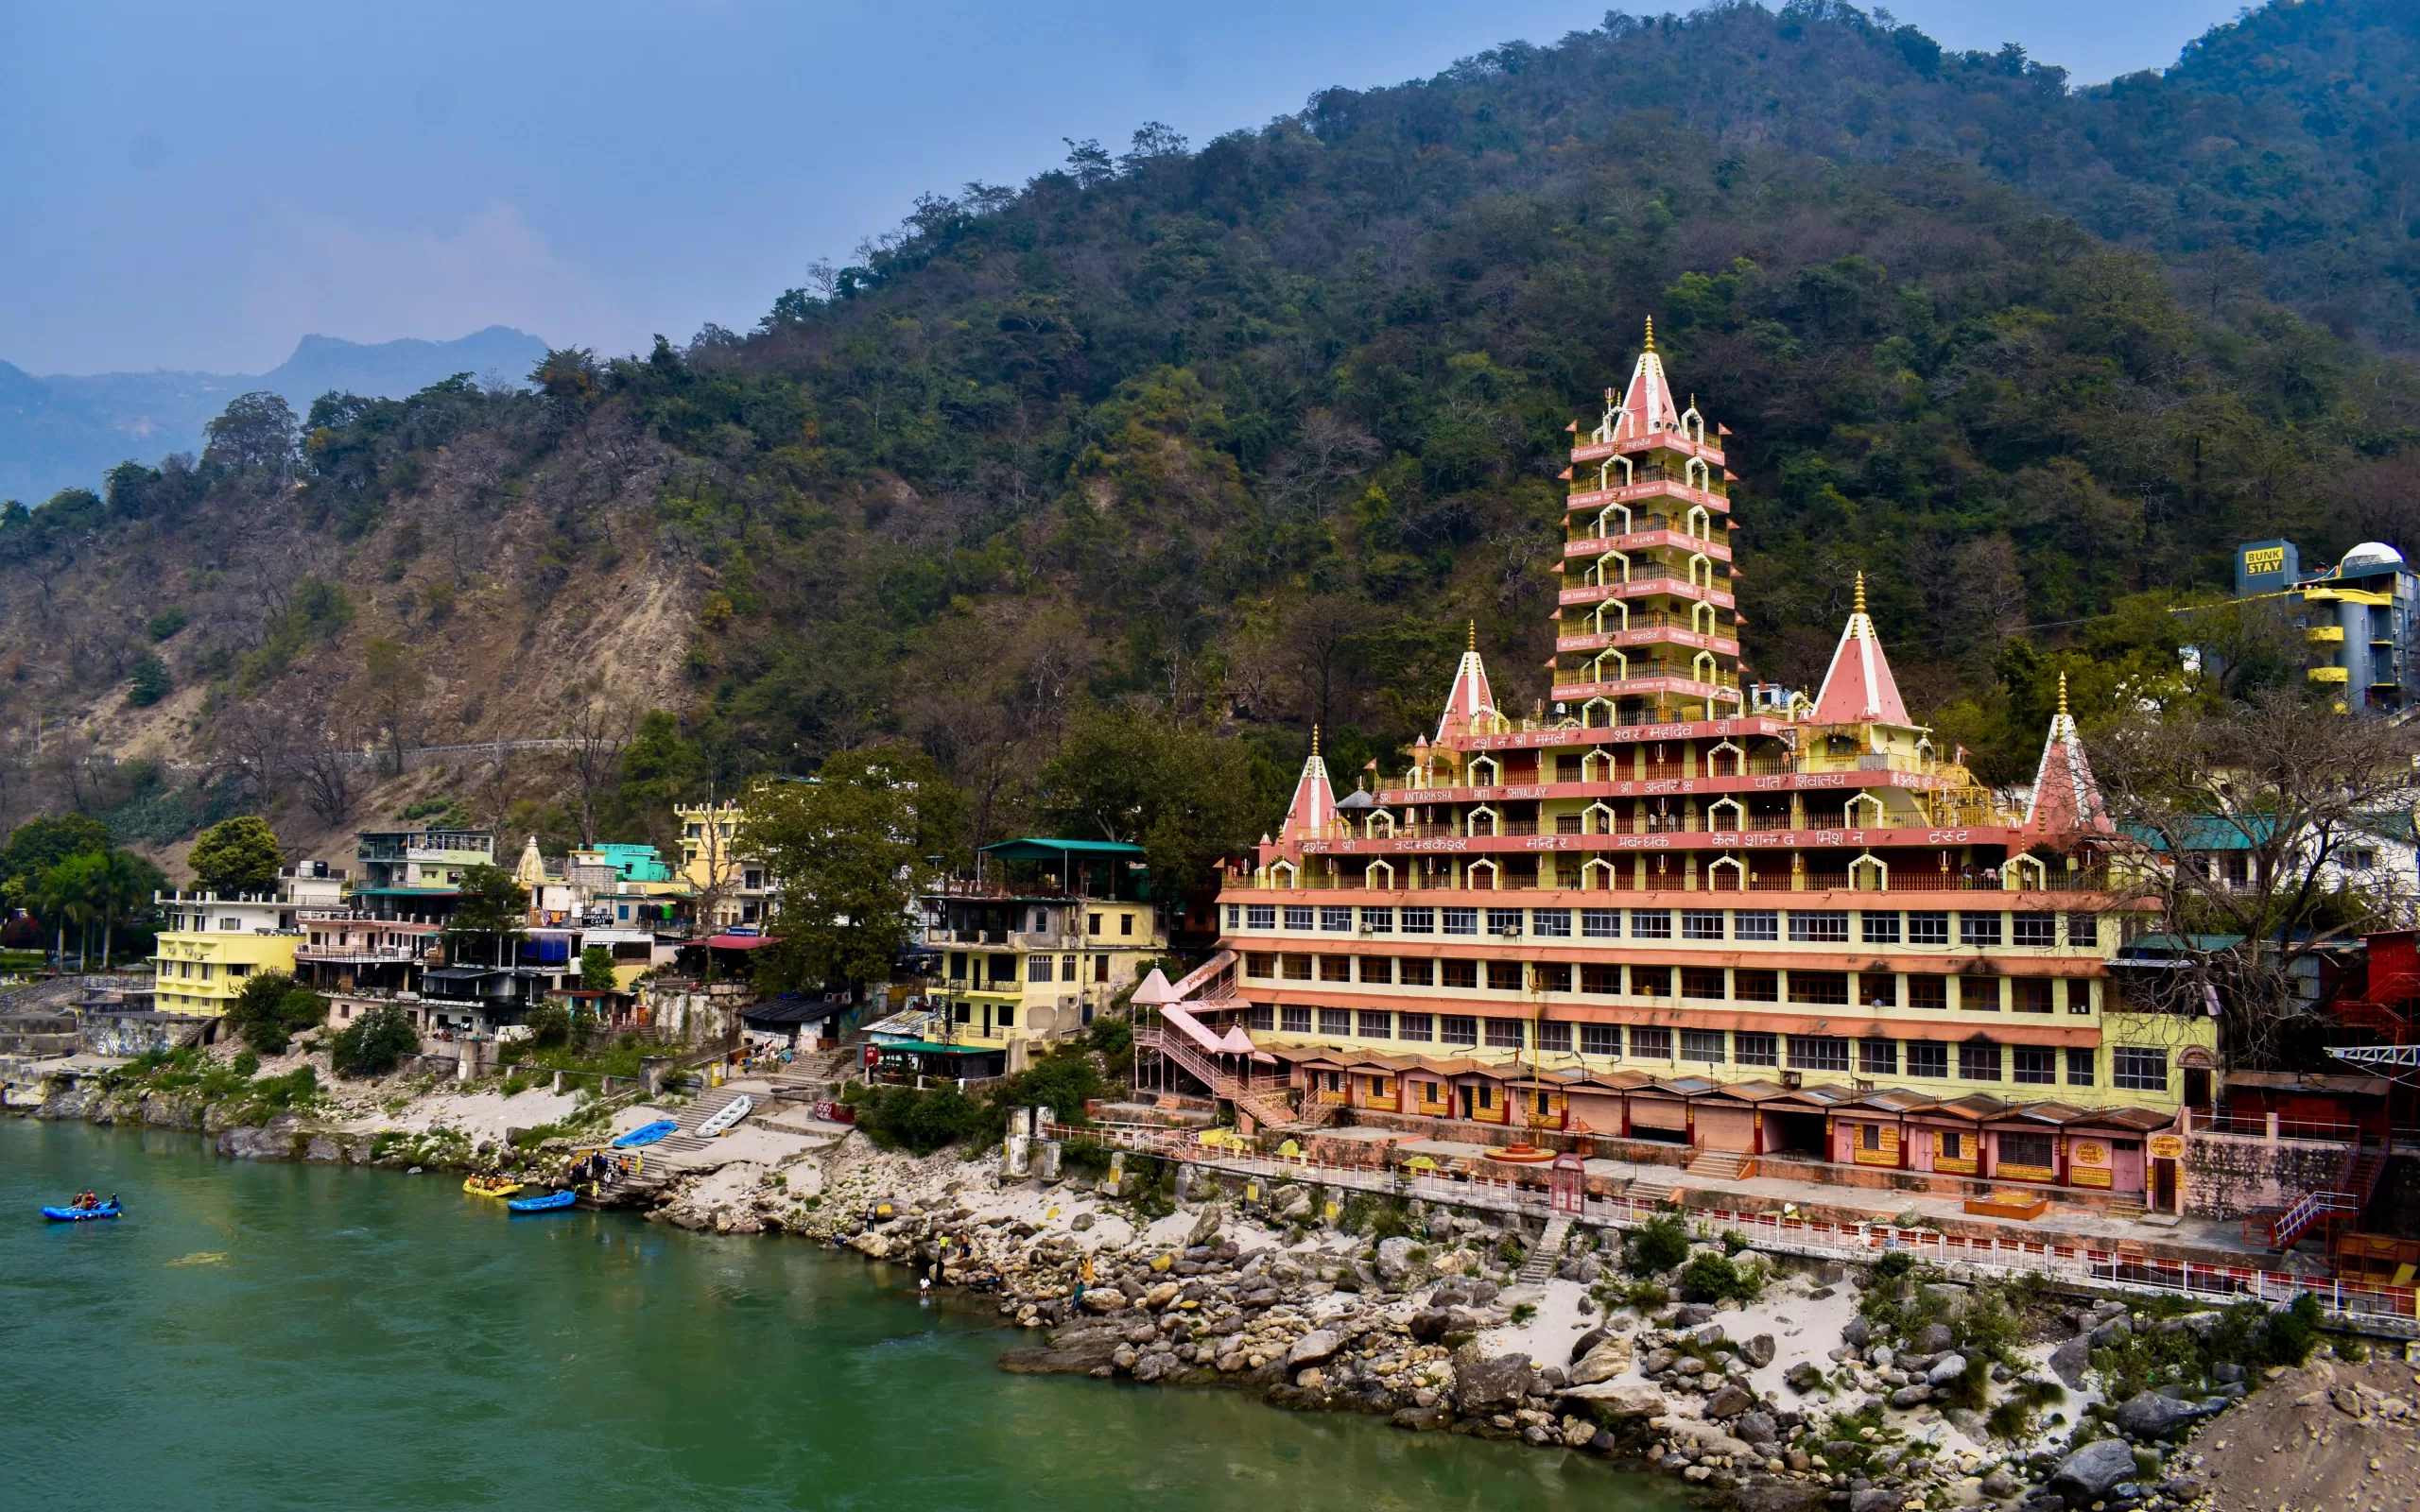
x,y
549,1025
1523,1313
372,1044
247,1064
2293,1332
1734,1241
1893,1265
1657,1246
1718,1278
1111,1037
149,684
271,1008
1511,1250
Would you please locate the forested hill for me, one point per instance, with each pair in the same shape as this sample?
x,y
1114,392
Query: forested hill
x,y
1240,436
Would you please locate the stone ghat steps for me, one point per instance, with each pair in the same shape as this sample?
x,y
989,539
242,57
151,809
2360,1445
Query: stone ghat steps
x,y
1721,1165
1538,1265
685,1139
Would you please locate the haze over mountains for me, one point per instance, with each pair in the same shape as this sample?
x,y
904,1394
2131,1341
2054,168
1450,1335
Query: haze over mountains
x,y
65,430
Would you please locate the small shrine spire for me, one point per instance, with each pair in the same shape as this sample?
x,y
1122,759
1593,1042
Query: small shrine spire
x,y
1859,687
1650,333
1313,809
2067,797
1469,697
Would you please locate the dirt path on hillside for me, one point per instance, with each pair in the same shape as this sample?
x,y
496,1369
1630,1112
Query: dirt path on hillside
x,y
2328,1437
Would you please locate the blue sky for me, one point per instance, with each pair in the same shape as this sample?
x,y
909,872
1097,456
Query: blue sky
x,y
190,186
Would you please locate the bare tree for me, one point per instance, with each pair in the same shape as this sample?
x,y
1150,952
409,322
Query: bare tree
x,y
324,772
598,732
2236,822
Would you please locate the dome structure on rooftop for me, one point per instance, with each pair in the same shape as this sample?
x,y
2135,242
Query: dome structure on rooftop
x,y
2369,556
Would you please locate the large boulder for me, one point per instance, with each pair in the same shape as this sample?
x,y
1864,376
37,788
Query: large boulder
x,y
1758,1427
1624,1401
1580,1345
2070,1359
1610,1358
1292,1204
1935,1338
1205,1228
1802,1377
2086,1475
1396,1265
1945,1370
1729,1401
1490,1384
1914,1395
1758,1352
1312,1347
1855,1333
2153,1416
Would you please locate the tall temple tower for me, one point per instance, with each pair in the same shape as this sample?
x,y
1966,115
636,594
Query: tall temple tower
x,y
1669,908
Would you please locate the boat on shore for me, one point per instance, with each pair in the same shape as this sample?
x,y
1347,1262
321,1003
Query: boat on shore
x,y
548,1203
720,1122
645,1134
107,1209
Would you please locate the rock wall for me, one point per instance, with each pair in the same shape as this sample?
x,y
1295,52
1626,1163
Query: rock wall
x,y
2233,1176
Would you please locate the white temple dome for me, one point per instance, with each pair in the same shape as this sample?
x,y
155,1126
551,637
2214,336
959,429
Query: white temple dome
x,y
2369,556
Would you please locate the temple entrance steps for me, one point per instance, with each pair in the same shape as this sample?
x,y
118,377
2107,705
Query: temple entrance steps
x,y
1654,1194
1539,1265
1722,1165
708,1102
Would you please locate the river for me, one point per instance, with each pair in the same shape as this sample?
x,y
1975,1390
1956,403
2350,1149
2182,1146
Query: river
x,y
270,1335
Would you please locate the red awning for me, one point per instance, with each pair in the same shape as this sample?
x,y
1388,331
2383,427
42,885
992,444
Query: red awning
x,y
741,942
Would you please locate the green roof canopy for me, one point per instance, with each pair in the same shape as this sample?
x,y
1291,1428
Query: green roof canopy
x,y
1041,850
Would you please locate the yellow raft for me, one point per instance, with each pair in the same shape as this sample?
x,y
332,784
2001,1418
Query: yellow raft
x,y
478,1188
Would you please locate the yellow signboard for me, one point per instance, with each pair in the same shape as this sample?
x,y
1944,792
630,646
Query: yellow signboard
x,y
2166,1146
2265,560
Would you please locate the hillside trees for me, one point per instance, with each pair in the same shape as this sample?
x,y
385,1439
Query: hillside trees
x,y
237,855
846,850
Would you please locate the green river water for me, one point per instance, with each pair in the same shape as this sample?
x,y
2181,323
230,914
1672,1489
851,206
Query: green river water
x,y
269,1336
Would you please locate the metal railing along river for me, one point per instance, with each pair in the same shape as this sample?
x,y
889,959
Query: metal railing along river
x,y
2125,1270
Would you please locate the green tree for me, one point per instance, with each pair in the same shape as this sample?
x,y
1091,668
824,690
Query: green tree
x,y
69,893
491,914
1187,795
270,1008
845,849
148,683
121,888
597,974
38,843
372,1044
396,682
237,855
255,431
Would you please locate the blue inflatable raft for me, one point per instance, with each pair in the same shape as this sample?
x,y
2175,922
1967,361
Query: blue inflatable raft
x,y
545,1204
107,1209
645,1134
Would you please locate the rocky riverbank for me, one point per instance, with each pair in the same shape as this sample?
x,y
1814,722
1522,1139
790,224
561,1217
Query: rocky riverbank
x,y
1766,1382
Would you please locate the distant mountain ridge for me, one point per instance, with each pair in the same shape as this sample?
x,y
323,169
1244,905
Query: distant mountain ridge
x,y
65,431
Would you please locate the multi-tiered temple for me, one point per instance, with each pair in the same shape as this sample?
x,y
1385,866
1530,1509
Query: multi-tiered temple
x,y
1662,906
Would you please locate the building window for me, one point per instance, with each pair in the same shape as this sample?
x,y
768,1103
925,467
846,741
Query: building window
x,y
1979,994
1420,920
1869,1138
1460,974
1554,1034
2084,929
1504,1034
1701,923
1951,1145
1336,920
1826,928
1264,1016
1376,1024
1757,1049
1831,987
1420,1026
1461,921
1260,964
1928,992
1650,1041
1927,1058
1650,981
1596,977
1504,923
1235,917
1377,968
2033,1151
1927,929
1600,923
1416,971
1601,1039
1702,1044
1877,1057
1037,967
2138,1069
1298,915
2034,1065
1005,1016
1755,923
2033,994
1336,968
1818,1052
2079,997
1378,921
1880,929
1298,968
1978,929
2080,1065
1752,986
1293,1018
1702,982
1504,976
1336,1020
1650,924
2034,929
1125,923
1979,1061
1879,989
1260,915
1551,976
1458,1029
1550,923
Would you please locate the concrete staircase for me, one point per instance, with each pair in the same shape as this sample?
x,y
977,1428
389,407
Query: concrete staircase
x,y
1538,1265
685,1139
1653,1193
1722,1165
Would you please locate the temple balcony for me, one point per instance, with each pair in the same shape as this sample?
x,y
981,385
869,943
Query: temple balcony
x,y
1593,499
1645,588
1648,539
1648,441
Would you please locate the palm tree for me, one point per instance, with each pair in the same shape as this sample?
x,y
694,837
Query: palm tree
x,y
73,890
122,885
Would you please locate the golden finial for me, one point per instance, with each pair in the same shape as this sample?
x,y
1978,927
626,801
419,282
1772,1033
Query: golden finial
x,y
2063,696
1315,742
1474,645
1650,333
1860,592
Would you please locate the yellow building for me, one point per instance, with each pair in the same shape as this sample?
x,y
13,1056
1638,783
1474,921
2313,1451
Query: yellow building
x,y
730,886
212,943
